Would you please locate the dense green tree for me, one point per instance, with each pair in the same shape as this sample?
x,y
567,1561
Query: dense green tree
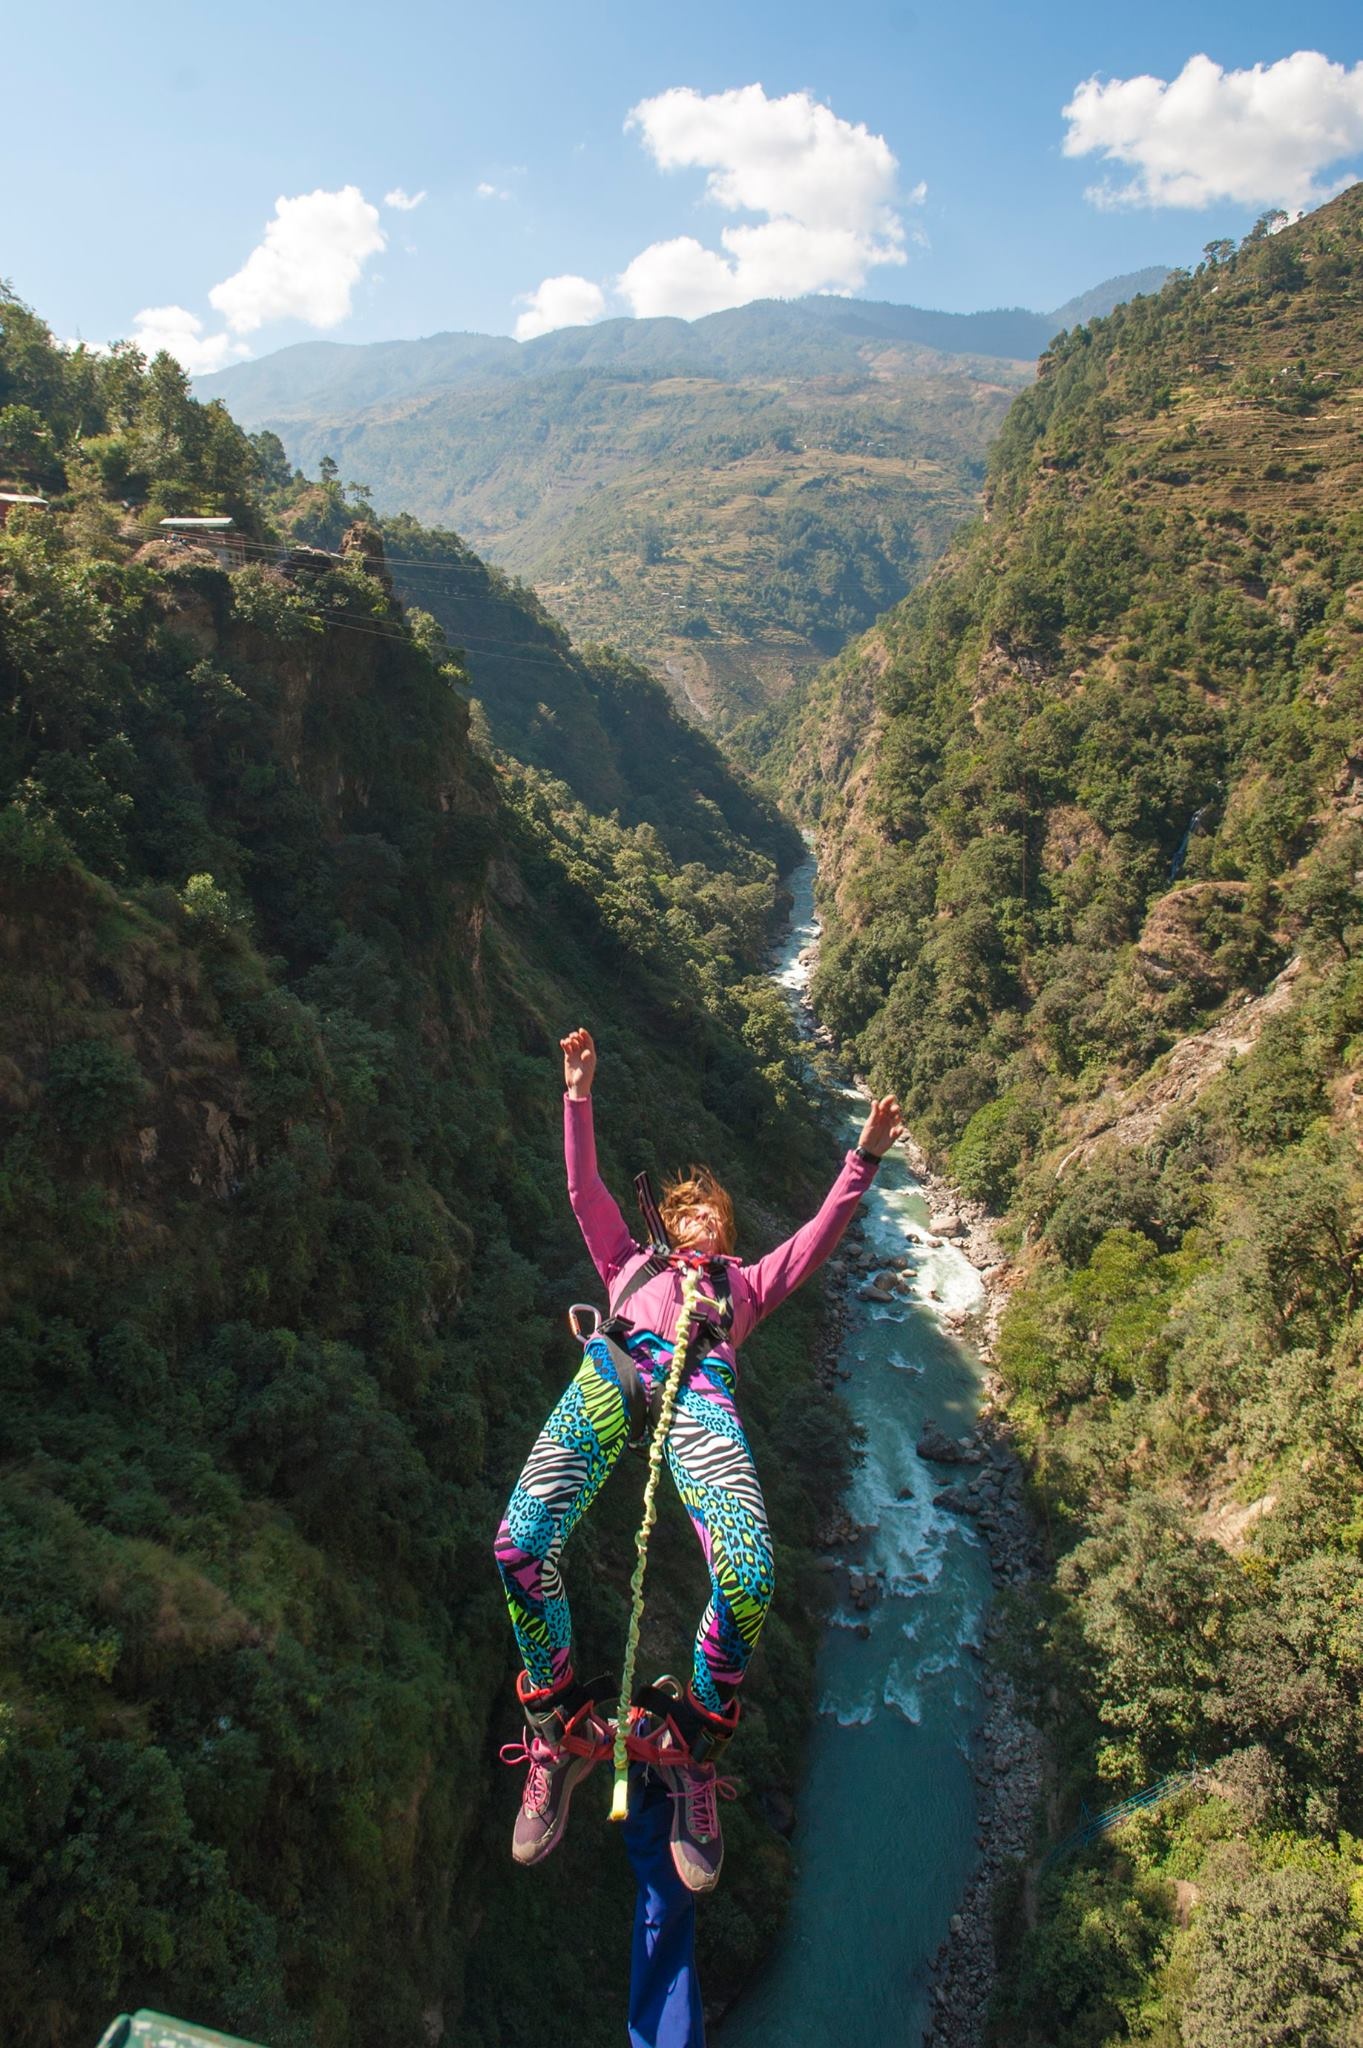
x,y
1279,1961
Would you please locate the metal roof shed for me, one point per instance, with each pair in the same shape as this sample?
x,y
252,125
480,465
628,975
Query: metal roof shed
x,y
219,536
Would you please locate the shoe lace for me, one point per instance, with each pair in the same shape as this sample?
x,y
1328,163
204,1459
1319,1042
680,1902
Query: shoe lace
x,y
539,1754
702,1788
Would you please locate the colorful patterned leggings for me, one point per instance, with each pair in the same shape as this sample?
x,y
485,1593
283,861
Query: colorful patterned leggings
x,y
711,1463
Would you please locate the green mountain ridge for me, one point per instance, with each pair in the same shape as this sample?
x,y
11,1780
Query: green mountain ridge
x,y
726,499
1092,855
773,335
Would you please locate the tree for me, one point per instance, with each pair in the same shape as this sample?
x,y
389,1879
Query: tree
x,y
272,463
1278,1964
1151,1603
1328,899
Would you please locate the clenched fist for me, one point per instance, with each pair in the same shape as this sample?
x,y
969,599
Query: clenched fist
x,y
579,1064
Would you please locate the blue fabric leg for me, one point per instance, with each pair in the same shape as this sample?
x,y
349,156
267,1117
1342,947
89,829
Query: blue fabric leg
x,y
665,2008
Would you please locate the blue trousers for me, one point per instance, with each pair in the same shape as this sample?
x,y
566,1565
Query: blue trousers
x,y
664,1991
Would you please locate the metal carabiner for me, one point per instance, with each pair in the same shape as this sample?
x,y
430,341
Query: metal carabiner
x,y
578,1310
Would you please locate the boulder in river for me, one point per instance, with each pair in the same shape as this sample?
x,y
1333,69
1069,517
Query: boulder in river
x,y
946,1224
934,1443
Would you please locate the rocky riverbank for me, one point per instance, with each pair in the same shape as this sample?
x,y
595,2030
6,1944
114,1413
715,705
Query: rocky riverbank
x,y
986,1485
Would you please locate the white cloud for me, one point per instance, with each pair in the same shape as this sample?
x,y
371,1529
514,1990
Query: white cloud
x,y
826,186
1261,137
486,191
560,302
403,202
308,264
825,189
182,335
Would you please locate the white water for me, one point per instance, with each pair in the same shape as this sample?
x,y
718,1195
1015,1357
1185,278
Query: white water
x,y
886,1832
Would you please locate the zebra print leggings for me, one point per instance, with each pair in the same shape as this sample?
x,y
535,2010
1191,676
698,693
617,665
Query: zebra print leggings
x,y
712,1465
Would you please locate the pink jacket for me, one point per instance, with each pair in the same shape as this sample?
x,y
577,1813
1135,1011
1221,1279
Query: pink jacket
x,y
756,1289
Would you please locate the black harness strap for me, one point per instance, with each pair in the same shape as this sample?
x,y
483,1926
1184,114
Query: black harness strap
x,y
614,1334
652,1214
617,1329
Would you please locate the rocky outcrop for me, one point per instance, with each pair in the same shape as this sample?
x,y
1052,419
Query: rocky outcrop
x,y
363,545
1173,946
1132,1119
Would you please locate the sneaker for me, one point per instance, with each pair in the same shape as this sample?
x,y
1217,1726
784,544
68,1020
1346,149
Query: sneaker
x,y
694,1736
697,1838
564,1741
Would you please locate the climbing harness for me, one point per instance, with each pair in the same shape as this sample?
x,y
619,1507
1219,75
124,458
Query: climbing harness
x,y
613,1331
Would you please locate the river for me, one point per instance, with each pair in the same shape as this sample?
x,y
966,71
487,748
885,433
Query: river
x,y
885,1838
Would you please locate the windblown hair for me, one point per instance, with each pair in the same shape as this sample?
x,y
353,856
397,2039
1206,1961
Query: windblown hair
x,y
697,1185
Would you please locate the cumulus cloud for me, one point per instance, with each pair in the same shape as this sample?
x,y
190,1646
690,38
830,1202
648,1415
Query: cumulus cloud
x,y
560,302
824,191
827,189
486,191
1266,136
307,265
181,334
403,202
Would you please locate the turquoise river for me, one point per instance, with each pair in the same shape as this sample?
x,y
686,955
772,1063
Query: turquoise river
x,y
885,1838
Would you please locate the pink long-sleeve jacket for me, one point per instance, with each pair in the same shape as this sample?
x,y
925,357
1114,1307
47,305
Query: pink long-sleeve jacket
x,y
756,1289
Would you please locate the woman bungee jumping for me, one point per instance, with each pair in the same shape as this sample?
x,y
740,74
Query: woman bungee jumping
x,y
706,1451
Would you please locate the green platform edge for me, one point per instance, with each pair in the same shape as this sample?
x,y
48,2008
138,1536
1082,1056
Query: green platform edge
x,y
156,2030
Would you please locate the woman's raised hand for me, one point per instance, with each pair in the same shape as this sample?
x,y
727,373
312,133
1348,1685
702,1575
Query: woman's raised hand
x,y
579,1064
882,1127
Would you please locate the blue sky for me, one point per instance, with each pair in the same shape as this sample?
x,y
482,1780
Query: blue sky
x,y
153,144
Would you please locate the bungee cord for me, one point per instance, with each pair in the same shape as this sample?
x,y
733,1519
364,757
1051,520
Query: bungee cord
x,y
693,1305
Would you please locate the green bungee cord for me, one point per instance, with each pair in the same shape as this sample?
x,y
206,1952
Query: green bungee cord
x,y
693,1305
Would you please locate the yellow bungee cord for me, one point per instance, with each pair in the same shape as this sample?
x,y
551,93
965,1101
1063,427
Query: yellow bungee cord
x,y
693,1305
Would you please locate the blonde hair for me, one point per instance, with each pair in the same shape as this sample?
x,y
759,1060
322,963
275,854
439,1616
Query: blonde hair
x,y
698,1185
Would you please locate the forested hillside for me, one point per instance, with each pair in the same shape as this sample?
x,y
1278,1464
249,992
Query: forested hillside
x,y
728,499
594,720
1091,807
288,948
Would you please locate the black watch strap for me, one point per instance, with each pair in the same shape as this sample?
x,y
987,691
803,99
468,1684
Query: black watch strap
x,y
871,1158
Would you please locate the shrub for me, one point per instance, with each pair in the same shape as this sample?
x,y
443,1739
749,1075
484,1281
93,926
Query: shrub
x,y
92,1091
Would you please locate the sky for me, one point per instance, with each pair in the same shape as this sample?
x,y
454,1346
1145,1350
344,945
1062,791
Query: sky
x,y
228,179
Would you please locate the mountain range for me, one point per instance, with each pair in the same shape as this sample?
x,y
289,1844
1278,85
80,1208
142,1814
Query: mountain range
x,y
727,499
